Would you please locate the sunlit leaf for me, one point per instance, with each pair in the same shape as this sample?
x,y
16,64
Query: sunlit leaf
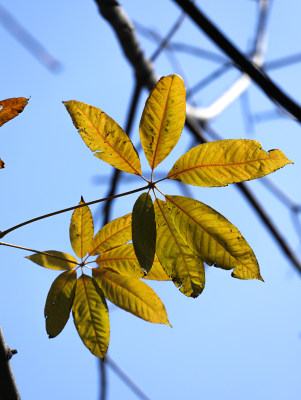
x,y
54,260
104,136
81,230
213,237
10,108
91,316
115,233
123,260
131,294
226,161
163,119
59,302
2,164
179,261
144,231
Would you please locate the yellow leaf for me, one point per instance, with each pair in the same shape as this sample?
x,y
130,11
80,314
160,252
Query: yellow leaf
x,y
54,260
213,237
131,295
91,316
59,302
163,119
181,263
102,134
81,230
115,233
226,161
123,260
10,108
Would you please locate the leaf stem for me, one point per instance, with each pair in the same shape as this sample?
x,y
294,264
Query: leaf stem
x,y
36,251
2,234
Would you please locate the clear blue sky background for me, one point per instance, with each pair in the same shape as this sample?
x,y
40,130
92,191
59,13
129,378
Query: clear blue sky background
x,y
239,339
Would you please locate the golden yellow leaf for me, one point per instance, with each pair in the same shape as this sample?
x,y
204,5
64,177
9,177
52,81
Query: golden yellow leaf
x,y
10,108
123,260
163,119
115,233
131,295
91,316
59,302
53,259
226,161
213,237
179,261
104,136
81,230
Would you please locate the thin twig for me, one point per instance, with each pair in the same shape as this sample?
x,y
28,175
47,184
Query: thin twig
x,y
29,41
126,379
2,234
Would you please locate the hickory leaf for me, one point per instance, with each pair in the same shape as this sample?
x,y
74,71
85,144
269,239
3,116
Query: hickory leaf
x,y
59,302
91,316
144,231
81,230
10,108
123,260
53,259
131,294
163,119
104,136
184,266
213,237
115,233
223,162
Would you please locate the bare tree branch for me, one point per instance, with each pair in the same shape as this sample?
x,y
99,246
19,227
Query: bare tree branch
x,y
8,387
255,73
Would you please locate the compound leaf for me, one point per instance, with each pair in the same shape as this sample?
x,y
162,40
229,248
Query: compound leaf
x,y
213,237
91,316
123,260
115,233
144,231
131,295
178,260
59,302
81,230
104,136
226,161
163,119
54,260
10,108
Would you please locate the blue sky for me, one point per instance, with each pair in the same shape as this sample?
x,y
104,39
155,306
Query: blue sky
x,y
239,339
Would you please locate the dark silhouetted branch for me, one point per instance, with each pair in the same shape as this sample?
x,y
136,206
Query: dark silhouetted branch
x,y
8,387
257,74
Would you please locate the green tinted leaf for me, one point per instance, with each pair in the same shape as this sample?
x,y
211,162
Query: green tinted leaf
x,y
123,260
59,302
163,119
115,233
103,135
131,295
226,161
213,237
91,316
81,230
179,261
144,231
54,260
